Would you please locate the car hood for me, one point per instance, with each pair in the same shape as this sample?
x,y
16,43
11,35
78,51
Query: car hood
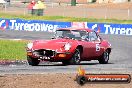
x,y
53,44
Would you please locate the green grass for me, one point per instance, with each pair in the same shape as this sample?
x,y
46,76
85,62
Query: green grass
x,y
12,50
64,19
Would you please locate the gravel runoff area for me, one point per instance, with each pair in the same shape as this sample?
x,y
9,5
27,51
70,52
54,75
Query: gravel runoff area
x,y
58,80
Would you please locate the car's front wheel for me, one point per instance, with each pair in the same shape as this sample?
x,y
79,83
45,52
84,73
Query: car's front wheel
x,y
76,58
104,58
32,61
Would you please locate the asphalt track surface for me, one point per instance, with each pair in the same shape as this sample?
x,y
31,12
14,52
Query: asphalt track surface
x,y
120,58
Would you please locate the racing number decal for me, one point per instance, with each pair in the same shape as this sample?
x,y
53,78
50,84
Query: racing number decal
x,y
97,47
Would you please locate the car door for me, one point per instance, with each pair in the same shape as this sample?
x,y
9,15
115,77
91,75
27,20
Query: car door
x,y
88,47
95,46
99,47
96,41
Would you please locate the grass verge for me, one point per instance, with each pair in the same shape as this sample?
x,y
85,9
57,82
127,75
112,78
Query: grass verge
x,y
64,19
12,50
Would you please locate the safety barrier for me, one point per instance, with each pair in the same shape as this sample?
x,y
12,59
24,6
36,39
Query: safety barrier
x,y
110,28
51,26
32,25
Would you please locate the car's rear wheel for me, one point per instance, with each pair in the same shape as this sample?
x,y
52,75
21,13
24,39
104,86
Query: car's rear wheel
x,y
33,61
104,58
76,58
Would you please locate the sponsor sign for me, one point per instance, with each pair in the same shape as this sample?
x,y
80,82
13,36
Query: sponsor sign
x,y
119,29
51,26
79,24
32,25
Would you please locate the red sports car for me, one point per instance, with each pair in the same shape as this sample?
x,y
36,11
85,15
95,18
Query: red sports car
x,y
69,46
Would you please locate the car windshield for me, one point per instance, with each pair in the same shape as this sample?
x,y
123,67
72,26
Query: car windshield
x,y
72,34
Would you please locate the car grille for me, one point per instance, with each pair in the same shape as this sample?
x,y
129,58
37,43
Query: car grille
x,y
43,52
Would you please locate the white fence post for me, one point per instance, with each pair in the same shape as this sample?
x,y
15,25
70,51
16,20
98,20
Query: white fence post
x,y
106,12
128,13
5,6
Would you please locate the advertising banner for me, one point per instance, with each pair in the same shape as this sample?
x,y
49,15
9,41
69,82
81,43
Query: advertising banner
x,y
51,26
120,29
32,25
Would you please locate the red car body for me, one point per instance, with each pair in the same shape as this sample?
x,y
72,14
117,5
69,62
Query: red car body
x,y
70,50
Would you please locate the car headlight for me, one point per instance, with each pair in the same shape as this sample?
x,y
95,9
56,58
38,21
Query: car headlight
x,y
30,45
67,46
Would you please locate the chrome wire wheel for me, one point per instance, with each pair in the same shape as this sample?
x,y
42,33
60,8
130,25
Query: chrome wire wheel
x,y
76,57
104,58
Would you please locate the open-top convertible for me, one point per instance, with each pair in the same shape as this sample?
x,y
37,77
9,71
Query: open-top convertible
x,y
69,46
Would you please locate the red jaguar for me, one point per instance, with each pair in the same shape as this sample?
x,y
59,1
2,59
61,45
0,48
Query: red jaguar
x,y
70,46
